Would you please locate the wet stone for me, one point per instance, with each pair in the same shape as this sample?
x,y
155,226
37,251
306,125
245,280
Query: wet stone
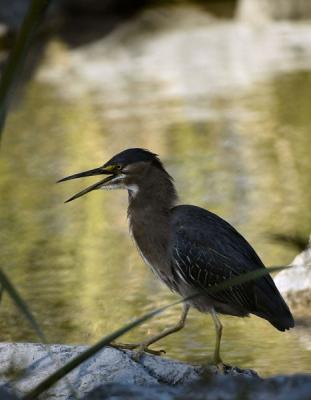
x,y
113,374
295,283
111,369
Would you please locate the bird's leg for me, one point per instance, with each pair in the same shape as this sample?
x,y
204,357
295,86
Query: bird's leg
x,y
218,328
144,346
180,324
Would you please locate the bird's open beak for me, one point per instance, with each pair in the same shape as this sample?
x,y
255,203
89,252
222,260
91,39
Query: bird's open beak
x,y
91,172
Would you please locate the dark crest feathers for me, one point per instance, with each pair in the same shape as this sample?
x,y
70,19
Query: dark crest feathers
x,y
135,155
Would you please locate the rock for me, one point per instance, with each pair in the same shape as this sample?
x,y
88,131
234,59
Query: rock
x,y
112,374
256,11
6,395
297,387
13,12
165,62
295,283
109,367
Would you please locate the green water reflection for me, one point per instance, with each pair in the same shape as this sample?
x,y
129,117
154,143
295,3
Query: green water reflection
x,y
76,265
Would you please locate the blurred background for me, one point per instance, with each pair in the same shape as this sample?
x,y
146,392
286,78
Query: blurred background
x,y
221,90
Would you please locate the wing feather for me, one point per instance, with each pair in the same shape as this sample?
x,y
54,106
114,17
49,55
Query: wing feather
x,y
207,251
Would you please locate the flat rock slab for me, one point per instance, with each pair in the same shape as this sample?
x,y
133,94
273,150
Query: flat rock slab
x,y
31,363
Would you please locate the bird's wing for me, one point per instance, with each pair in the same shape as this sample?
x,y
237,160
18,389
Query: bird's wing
x,y
206,251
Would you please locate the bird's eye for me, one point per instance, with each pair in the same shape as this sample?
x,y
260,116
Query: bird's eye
x,y
118,167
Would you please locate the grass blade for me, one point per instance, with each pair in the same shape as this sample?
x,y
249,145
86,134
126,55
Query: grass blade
x,y
22,306
17,56
76,361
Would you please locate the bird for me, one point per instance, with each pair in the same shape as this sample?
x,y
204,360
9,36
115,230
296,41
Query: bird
x,y
187,247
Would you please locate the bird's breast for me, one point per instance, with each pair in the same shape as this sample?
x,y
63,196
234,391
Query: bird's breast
x,y
152,245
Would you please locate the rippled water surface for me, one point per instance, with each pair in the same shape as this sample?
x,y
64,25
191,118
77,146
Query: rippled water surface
x,y
75,264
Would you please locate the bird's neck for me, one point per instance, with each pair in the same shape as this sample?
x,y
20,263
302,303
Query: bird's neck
x,y
149,209
154,193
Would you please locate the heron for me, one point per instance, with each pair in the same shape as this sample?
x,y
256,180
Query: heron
x,y
187,247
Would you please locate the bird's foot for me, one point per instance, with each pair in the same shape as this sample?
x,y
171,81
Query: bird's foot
x,y
221,367
140,349
143,348
217,364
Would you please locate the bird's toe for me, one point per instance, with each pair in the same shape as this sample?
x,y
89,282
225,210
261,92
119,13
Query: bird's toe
x,y
137,354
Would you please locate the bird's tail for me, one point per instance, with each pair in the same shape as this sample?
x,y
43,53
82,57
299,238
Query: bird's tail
x,y
271,305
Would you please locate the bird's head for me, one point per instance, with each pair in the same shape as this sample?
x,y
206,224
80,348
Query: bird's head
x,y
125,170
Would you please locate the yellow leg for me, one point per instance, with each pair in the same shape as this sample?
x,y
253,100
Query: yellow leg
x,y
180,324
218,328
144,345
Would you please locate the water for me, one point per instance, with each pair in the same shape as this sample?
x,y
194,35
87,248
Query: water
x,y
246,158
